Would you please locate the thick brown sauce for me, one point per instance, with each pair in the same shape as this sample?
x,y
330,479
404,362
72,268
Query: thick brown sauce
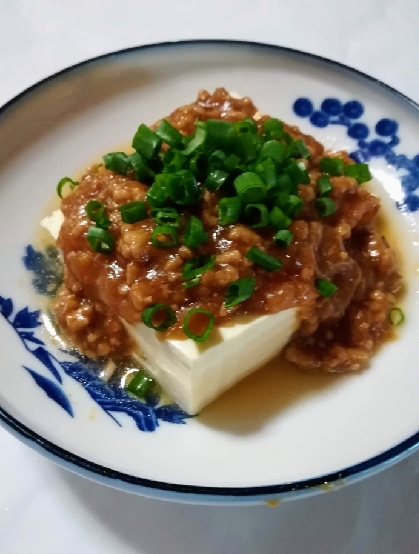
x,y
336,334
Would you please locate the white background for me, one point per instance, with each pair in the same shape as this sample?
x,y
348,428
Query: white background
x,y
44,509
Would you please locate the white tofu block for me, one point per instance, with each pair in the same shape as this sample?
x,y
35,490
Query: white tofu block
x,y
194,374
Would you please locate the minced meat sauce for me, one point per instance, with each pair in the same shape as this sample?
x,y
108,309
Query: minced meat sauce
x,y
339,333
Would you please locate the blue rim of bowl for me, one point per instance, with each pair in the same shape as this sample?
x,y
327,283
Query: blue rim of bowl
x,y
351,472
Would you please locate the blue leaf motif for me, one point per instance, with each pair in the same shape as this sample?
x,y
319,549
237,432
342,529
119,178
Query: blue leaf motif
x,y
52,390
25,319
171,413
6,307
28,335
47,359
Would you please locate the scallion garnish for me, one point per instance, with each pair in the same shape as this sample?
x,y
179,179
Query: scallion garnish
x,y
182,187
273,129
117,162
301,149
195,267
157,194
62,182
142,170
332,166
131,212
146,142
278,219
95,210
263,259
239,291
142,385
325,287
283,238
100,240
293,206
192,283
229,209
247,146
215,179
198,139
360,172
250,188
246,125
396,316
325,206
275,150
220,133
298,174
257,215
173,160
198,324
158,317
324,185
164,236
194,233
166,216
169,134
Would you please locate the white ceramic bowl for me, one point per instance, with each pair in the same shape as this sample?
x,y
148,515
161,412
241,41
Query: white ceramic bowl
x,y
279,434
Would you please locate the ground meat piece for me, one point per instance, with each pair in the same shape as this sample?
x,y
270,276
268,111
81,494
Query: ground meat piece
x,y
336,334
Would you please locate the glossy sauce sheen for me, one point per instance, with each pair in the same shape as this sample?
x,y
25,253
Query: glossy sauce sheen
x,y
336,334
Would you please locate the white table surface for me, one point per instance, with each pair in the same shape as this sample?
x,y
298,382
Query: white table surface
x,y
44,509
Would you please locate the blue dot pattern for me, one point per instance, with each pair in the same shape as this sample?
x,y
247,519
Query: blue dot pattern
x,y
334,112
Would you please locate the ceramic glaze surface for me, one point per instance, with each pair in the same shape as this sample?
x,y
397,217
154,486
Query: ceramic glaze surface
x,y
281,431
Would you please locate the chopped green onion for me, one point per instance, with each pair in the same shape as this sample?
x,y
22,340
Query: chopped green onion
x,y
229,209
297,173
294,206
169,134
267,172
325,206
396,316
360,172
215,179
131,212
301,149
194,267
247,125
332,166
257,215
275,150
157,194
182,187
231,162
173,160
95,210
247,146
216,160
192,283
198,139
273,129
239,291
146,142
204,332
198,165
194,233
219,133
117,162
324,184
278,219
63,182
325,287
250,188
159,310
103,222
284,183
259,257
160,234
166,216
140,167
283,238
100,240
142,385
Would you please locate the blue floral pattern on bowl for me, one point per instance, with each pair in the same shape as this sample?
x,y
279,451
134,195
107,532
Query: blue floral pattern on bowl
x,y
334,112
111,398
